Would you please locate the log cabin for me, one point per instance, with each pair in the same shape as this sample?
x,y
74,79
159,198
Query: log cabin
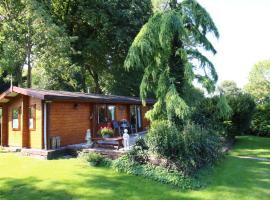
x,y
32,118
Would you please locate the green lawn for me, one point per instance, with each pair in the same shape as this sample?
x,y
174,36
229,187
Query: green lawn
x,y
234,178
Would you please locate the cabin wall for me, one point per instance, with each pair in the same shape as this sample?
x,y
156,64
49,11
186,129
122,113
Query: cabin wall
x,y
69,120
37,133
15,136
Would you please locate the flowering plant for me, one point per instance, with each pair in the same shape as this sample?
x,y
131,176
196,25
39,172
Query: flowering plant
x,y
103,131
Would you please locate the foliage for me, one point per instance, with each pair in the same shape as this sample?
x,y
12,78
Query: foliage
x,y
188,150
30,37
166,48
259,81
159,174
260,124
139,151
95,159
213,113
71,45
229,88
103,31
105,131
243,108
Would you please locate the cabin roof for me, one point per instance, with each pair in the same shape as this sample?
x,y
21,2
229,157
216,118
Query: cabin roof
x,y
53,95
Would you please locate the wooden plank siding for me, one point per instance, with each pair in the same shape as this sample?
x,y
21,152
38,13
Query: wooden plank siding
x,y
15,136
69,120
36,134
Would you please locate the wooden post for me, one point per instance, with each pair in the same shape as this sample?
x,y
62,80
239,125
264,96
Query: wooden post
x,y
25,122
4,137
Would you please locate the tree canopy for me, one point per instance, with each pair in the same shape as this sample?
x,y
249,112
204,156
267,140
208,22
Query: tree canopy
x,y
259,81
71,44
29,37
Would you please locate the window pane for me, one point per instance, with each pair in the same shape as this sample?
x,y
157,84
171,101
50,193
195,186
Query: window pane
x,y
15,118
32,111
102,114
111,113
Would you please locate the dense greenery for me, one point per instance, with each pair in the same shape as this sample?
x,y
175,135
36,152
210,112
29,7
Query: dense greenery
x,y
156,173
259,81
187,151
261,120
166,48
258,86
28,37
71,45
242,105
95,159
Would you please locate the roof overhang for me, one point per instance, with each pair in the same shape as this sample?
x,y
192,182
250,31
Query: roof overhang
x,y
15,91
12,92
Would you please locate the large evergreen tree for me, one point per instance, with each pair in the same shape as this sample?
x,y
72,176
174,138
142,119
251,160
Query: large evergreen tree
x,y
168,49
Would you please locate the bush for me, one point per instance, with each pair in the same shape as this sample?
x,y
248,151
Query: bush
x,y
156,173
214,113
260,124
95,159
243,108
139,153
187,150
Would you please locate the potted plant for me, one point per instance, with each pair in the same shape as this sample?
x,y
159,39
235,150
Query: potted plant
x,y
106,132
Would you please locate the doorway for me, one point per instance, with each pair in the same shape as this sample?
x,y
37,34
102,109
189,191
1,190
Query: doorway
x,y
135,118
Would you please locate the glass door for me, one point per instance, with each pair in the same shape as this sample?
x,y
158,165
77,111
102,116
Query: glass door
x,y
135,118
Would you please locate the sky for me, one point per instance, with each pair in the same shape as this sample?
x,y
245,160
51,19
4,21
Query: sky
x,y
244,27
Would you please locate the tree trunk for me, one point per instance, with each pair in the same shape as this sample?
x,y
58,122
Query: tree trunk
x,y
97,85
28,50
29,71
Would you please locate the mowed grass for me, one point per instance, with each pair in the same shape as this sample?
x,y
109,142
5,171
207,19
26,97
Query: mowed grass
x,y
233,178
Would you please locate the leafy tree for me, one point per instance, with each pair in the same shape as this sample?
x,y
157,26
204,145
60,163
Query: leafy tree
x,y
229,87
259,81
260,121
103,31
167,48
30,38
242,105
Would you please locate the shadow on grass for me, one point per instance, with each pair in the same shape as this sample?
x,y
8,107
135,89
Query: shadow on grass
x,y
25,189
90,187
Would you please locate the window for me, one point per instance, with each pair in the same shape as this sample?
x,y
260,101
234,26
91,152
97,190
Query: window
x,y
106,113
32,117
102,114
16,118
111,113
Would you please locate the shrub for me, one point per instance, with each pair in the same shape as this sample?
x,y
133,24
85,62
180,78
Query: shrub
x,y
260,124
243,108
214,113
95,159
139,153
187,150
156,173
